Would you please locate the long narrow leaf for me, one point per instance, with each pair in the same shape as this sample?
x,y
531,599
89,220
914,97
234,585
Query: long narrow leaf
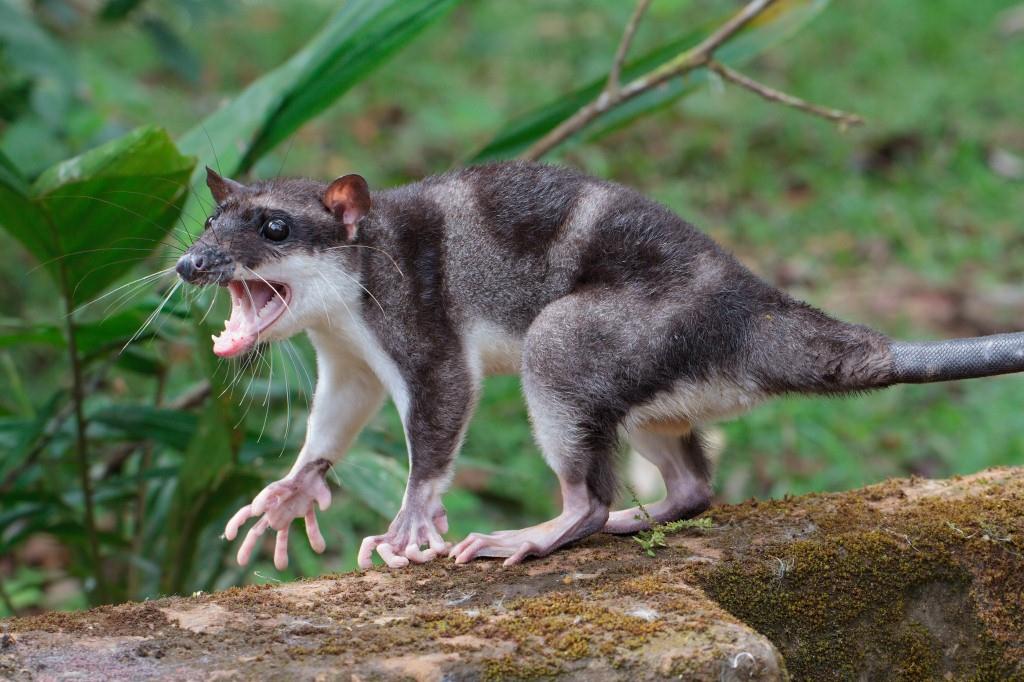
x,y
782,20
359,37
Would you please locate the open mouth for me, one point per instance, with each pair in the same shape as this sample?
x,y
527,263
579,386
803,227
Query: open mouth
x,y
255,306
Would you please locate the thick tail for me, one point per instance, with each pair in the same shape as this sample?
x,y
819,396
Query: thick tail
x,y
803,350
982,356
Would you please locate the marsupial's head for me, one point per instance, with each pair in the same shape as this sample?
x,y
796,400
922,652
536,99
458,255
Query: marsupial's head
x,y
278,246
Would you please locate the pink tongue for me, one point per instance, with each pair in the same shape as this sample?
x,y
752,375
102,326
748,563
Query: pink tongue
x,y
241,329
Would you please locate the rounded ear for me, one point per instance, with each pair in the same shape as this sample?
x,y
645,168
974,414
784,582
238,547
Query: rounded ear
x,y
221,188
348,198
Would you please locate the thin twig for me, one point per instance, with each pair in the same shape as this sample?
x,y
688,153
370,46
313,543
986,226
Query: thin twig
x,y
682,64
613,84
81,443
843,118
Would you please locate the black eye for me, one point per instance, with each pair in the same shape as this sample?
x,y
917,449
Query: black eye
x,y
275,230
209,221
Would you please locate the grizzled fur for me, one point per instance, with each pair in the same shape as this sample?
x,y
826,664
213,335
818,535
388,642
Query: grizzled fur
x,y
622,319
614,299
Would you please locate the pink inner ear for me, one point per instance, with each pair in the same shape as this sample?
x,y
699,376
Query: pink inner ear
x,y
351,215
349,200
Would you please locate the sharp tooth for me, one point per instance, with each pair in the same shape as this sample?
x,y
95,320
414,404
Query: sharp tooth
x,y
213,337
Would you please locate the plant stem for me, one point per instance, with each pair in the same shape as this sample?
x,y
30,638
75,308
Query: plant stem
x,y
614,83
140,496
7,601
843,118
613,95
81,444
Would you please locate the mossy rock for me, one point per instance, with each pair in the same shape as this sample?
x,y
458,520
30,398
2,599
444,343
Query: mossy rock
x,y
910,579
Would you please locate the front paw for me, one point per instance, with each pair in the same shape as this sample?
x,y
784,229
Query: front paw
x,y
278,505
414,536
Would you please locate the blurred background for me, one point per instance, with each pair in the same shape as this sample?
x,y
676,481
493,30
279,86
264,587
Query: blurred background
x,y
125,445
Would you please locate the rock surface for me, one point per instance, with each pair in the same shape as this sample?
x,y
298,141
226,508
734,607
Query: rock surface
x,y
909,579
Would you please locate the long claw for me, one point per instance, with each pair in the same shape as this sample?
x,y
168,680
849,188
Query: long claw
x,y
316,538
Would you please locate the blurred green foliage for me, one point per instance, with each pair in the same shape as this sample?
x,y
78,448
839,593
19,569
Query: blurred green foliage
x,y
906,224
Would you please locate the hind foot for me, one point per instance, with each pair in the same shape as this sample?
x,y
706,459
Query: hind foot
x,y
540,540
672,508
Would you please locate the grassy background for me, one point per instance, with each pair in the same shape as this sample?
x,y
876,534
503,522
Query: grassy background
x,y
906,224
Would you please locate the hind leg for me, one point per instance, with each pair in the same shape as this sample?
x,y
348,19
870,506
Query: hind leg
x,y
582,455
684,467
574,430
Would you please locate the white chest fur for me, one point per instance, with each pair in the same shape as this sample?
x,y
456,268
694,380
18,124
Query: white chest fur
x,y
492,350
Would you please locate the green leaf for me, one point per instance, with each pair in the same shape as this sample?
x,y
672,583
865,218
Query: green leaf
x,y
89,219
94,337
30,50
359,37
19,435
377,481
115,10
15,333
19,215
777,23
174,428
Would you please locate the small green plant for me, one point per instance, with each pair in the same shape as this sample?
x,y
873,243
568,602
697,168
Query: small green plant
x,y
654,537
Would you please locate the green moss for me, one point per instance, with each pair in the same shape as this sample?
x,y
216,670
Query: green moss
x,y
515,668
851,595
563,627
920,653
449,623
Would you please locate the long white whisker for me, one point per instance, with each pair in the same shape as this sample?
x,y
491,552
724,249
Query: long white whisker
x,y
238,375
84,277
254,369
104,249
373,248
323,300
333,288
163,321
266,399
144,278
287,408
152,316
123,299
360,285
213,299
297,359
